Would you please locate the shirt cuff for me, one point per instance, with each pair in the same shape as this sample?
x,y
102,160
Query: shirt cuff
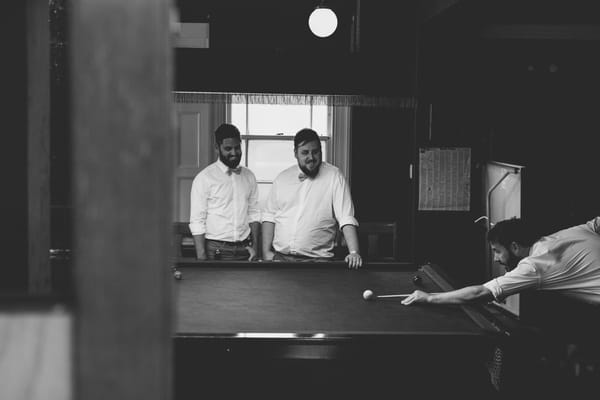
x,y
495,288
197,228
594,224
268,217
254,217
349,220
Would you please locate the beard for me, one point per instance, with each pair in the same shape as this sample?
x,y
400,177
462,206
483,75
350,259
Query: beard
x,y
311,173
512,262
231,162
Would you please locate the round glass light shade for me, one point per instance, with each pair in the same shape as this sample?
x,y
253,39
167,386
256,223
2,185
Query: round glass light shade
x,y
322,22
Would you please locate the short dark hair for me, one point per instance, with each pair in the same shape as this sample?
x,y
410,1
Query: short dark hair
x,y
306,135
512,230
226,131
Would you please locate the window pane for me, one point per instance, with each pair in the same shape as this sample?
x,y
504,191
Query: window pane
x,y
269,119
267,158
238,117
320,124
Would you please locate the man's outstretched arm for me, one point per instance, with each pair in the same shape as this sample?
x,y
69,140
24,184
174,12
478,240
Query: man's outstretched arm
x,y
468,294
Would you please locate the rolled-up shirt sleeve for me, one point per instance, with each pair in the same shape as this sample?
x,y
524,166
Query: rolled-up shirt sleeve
x,y
524,276
343,207
268,213
198,206
253,208
594,224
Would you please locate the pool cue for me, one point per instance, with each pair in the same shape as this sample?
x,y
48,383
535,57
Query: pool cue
x,y
383,296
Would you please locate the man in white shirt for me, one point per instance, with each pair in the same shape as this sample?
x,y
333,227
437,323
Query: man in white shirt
x,y
224,213
306,205
567,262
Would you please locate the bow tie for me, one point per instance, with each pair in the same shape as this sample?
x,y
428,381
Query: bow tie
x,y
302,176
234,170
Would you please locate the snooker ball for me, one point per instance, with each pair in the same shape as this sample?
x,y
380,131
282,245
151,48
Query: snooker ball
x,y
177,275
417,280
368,294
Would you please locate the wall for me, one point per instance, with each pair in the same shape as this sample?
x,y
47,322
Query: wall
x,y
451,114
382,191
544,116
267,47
527,102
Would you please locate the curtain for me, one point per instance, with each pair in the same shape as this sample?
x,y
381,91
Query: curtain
x,y
296,99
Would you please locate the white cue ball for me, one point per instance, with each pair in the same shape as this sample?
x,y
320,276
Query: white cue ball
x,y
368,294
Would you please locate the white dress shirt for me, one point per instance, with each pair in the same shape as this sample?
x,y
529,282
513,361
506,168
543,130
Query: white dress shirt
x,y
223,205
567,261
307,213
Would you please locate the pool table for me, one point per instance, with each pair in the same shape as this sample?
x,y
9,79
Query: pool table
x,y
281,330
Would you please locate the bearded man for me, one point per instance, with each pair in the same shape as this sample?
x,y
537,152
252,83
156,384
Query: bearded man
x,y
224,213
308,204
566,262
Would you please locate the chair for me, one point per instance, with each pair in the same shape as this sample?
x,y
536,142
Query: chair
x,y
378,240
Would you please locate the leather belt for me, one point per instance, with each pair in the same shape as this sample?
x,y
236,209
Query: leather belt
x,y
245,242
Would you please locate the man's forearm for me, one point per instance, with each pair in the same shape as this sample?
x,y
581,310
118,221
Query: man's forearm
x,y
199,241
255,235
467,294
268,231
351,237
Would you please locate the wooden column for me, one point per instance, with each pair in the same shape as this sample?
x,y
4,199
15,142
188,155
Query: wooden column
x,y
38,145
13,147
121,136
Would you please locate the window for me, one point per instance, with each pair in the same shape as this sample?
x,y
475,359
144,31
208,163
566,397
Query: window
x,y
268,123
268,135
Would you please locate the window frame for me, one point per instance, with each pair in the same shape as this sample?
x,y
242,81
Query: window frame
x,y
247,136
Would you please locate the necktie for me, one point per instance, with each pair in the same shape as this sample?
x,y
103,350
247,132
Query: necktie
x,y
302,176
234,170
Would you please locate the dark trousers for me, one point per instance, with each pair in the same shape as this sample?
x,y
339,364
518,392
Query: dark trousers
x,y
298,258
218,250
